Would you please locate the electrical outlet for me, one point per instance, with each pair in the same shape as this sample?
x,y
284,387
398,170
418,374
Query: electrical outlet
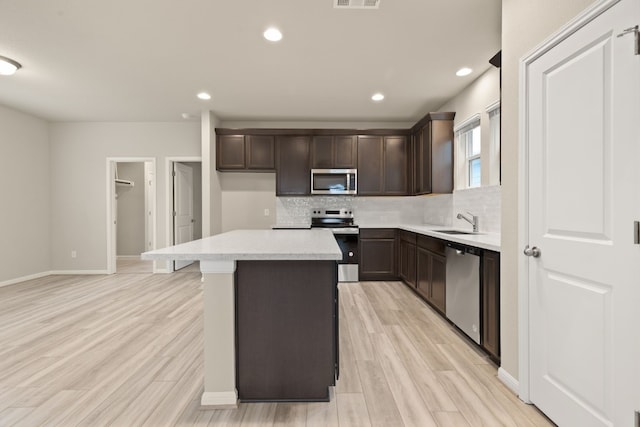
x,y
74,254
266,212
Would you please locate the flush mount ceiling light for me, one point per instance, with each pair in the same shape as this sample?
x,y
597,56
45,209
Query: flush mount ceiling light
x,y
8,66
464,71
204,96
272,34
377,97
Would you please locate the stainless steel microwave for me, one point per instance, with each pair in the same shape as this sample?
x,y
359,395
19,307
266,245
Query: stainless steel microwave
x,y
334,181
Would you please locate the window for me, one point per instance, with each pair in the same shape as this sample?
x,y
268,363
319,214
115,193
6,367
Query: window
x,y
469,169
494,134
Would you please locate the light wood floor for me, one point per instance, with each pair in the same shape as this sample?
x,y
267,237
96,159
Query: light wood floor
x,y
126,350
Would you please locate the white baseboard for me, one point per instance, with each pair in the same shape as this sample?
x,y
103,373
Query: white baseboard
x,y
509,381
131,257
78,272
219,399
24,278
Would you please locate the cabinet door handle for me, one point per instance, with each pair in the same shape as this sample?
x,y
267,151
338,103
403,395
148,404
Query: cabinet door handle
x,y
534,251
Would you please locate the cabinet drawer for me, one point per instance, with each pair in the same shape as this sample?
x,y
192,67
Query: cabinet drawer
x,y
431,244
408,236
377,233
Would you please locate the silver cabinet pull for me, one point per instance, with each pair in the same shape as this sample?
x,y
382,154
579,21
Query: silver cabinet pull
x,y
534,251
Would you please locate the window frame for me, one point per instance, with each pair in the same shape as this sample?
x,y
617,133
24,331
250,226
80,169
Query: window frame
x,y
494,113
464,136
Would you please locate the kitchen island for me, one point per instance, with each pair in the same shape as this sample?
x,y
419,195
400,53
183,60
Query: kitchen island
x,y
270,313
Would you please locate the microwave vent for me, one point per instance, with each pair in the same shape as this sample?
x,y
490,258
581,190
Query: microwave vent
x,y
356,4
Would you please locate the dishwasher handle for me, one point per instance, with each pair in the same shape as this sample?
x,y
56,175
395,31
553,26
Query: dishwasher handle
x,y
464,249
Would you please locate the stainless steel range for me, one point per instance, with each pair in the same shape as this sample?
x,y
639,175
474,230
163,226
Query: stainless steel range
x,y
346,232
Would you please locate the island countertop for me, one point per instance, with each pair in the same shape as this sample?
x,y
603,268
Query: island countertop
x,y
238,245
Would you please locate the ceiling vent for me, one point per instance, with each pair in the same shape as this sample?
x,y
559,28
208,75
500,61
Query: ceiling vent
x,y
356,4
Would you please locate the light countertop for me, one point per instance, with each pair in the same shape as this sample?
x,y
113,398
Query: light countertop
x,y
240,245
490,241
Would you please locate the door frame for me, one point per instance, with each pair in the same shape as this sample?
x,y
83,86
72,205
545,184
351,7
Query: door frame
x,y
169,161
567,30
150,203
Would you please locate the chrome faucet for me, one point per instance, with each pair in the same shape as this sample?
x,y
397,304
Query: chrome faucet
x,y
473,221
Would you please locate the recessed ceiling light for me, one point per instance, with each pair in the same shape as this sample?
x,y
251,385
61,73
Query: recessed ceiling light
x,y
463,72
272,34
377,97
8,66
204,96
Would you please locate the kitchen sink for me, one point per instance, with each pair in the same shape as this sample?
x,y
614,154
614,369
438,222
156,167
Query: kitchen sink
x,y
455,232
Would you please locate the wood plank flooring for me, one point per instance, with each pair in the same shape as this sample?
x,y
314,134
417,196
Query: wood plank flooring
x,y
126,350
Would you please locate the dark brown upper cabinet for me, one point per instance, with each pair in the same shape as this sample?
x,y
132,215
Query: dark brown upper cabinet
x,y
334,152
293,171
245,153
432,140
383,165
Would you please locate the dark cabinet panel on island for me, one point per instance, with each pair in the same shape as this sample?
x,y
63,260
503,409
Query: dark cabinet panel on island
x,y
334,152
490,307
378,254
286,330
293,172
383,165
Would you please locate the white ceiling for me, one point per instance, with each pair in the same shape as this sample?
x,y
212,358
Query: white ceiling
x,y
145,60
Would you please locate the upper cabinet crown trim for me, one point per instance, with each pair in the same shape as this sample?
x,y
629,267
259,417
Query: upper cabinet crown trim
x,y
312,132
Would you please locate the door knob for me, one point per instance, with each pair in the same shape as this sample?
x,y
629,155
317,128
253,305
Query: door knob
x,y
534,251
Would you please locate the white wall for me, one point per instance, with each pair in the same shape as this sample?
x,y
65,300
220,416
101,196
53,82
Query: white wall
x,y
78,181
472,100
24,174
245,196
211,189
525,24
130,217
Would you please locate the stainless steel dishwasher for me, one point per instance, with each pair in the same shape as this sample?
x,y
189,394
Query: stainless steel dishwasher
x,y
463,288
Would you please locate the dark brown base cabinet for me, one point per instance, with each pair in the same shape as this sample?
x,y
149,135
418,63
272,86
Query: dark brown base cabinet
x,y
431,266
490,307
378,254
286,330
422,265
407,257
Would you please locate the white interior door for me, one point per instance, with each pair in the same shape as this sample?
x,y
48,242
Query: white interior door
x,y
583,133
183,208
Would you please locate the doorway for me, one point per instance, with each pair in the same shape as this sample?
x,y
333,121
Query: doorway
x,y
131,214
184,206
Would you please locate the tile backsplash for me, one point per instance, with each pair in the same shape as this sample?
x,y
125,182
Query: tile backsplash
x,y
483,202
380,211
